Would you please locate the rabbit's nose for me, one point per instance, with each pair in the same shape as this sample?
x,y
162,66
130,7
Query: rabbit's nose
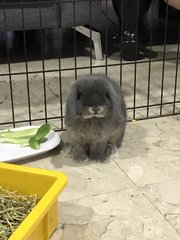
x,y
95,109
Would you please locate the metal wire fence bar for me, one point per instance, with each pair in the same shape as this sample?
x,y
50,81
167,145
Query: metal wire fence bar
x,y
176,72
150,61
26,64
60,75
43,64
9,70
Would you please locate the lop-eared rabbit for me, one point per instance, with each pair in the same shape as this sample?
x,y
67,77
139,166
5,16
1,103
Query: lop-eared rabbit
x,y
96,117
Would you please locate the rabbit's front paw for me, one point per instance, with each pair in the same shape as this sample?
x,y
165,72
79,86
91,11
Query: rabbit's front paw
x,y
79,154
97,155
110,149
97,151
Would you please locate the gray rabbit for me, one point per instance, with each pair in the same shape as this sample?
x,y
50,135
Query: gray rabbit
x,y
96,117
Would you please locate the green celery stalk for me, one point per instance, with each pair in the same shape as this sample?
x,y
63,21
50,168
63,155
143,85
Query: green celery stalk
x,y
19,133
20,141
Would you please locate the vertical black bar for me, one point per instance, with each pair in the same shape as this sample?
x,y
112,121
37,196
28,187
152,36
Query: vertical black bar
x,y
9,68
135,63
26,63
59,66
43,66
164,58
121,45
75,40
176,73
149,71
90,19
106,33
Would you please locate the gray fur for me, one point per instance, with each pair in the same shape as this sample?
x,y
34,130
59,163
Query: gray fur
x,y
95,137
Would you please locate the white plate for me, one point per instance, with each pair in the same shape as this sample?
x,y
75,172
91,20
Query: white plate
x,y
14,152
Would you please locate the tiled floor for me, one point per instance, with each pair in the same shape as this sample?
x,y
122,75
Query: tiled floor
x,y
134,195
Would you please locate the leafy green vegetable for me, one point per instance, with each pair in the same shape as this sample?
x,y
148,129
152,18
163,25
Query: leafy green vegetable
x,y
42,131
34,142
32,137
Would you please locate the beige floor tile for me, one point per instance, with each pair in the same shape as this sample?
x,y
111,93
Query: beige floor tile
x,y
86,179
166,197
134,195
119,215
150,151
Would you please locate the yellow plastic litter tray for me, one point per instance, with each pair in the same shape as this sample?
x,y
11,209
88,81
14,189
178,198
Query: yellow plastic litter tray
x,y
43,219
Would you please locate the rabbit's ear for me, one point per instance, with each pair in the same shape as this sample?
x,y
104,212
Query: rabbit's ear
x,y
119,110
71,107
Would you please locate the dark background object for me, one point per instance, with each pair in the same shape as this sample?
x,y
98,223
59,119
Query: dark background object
x,y
142,23
131,37
166,21
38,21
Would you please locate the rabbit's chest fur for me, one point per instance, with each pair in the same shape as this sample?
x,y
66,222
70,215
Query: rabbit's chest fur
x,y
94,129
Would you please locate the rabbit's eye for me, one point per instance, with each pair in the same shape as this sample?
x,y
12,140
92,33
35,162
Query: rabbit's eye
x,y
79,95
108,95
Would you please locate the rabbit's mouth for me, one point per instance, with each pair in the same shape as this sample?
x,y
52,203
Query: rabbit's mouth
x,y
94,116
